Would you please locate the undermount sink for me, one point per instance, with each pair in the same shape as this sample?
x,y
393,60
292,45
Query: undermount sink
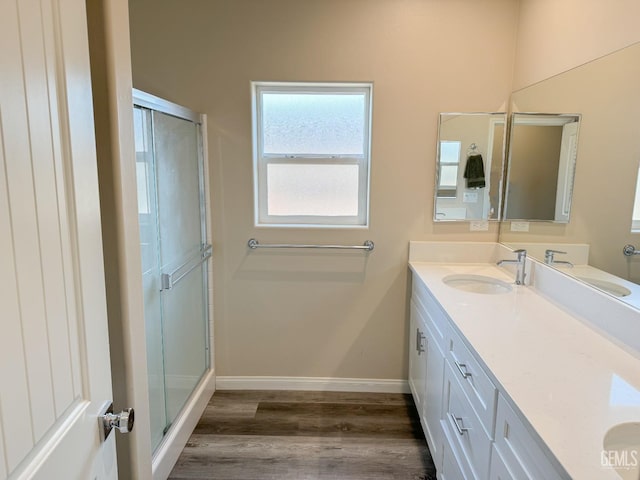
x,y
477,284
622,450
609,287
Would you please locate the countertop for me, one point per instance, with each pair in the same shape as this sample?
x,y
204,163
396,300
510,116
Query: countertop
x,y
571,383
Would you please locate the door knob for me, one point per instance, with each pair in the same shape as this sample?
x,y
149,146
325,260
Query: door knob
x,y
108,420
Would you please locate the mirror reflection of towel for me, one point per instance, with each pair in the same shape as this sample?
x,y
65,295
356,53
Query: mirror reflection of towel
x,y
474,172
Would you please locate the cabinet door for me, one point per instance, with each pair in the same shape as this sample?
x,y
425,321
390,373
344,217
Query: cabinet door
x,y
433,396
417,358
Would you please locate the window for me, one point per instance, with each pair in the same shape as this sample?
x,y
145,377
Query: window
x,y
311,153
635,218
448,171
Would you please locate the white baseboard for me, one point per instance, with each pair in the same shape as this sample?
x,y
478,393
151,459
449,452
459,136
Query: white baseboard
x,y
169,450
369,385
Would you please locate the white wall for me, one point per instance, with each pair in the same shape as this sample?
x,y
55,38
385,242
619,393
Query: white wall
x,y
325,314
557,35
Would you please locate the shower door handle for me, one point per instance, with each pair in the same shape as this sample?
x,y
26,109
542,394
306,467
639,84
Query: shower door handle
x,y
168,280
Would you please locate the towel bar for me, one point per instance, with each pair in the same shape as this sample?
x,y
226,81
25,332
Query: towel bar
x,y
253,244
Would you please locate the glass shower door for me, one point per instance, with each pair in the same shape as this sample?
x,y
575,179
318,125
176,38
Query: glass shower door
x,y
174,253
183,250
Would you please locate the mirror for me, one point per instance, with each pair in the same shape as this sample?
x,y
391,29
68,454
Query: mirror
x,y
606,92
469,166
540,172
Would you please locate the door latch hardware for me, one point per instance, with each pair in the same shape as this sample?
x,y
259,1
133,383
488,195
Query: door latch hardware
x,y
108,420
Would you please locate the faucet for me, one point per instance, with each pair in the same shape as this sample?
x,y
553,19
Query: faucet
x,y
549,260
520,262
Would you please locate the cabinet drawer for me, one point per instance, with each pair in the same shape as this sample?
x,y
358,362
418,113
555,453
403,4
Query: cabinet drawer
x,y
454,465
480,390
520,451
464,427
434,316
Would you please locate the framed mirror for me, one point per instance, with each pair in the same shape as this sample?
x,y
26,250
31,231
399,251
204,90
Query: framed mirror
x,y
469,166
542,160
606,92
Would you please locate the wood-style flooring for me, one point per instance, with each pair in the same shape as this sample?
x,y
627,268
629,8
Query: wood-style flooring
x,y
286,435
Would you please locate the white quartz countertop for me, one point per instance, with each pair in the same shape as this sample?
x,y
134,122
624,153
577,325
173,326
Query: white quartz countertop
x,y
571,383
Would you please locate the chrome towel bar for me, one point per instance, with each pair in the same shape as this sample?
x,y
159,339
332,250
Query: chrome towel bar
x,y
253,244
167,280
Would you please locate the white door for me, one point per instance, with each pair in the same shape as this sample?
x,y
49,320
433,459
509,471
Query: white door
x,y
54,351
566,171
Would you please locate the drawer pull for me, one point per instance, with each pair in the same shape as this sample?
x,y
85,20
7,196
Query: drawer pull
x,y
460,429
462,368
419,338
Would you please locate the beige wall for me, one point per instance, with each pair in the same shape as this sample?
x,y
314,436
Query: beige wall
x,y
606,93
557,35
333,314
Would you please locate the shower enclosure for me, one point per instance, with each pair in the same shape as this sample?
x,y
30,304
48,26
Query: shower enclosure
x,y
174,248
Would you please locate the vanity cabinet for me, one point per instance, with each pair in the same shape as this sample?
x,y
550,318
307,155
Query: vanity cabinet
x,y
472,431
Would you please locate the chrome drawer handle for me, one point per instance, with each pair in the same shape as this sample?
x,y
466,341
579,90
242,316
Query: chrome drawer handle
x,y
465,373
460,429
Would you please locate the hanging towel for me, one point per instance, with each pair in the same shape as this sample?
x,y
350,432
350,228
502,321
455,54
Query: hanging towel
x,y
474,171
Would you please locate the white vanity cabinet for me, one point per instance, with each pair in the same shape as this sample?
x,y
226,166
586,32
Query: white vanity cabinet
x,y
472,431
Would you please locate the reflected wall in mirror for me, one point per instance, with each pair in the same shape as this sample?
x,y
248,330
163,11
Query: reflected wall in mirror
x,y
607,94
542,160
469,165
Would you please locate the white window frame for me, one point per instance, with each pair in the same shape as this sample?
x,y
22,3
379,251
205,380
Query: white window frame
x,y
449,191
262,160
635,216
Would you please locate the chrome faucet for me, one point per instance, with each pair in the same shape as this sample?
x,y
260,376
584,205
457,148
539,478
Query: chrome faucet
x,y
549,260
520,262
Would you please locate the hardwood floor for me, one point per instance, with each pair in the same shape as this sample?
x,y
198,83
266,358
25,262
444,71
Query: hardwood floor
x,y
285,435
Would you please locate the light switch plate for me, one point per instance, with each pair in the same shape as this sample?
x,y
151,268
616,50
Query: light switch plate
x,y
479,226
519,226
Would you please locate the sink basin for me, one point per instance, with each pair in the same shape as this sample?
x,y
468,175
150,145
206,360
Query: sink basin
x,y
622,450
477,284
609,287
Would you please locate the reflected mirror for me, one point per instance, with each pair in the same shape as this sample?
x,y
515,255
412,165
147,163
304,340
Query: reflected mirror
x,y
606,92
469,165
542,160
